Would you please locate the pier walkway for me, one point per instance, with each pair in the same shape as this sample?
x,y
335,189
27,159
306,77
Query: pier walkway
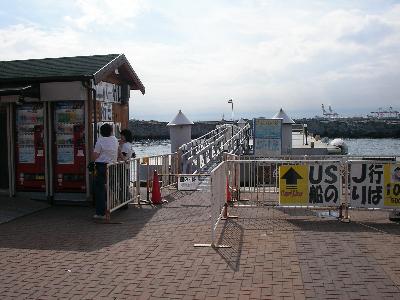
x,y
147,253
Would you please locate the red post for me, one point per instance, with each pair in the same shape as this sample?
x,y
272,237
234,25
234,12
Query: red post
x,y
228,191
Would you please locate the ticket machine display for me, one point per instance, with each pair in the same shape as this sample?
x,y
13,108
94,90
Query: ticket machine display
x,y
29,146
69,147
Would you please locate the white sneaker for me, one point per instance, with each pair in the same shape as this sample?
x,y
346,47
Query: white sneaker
x,y
98,217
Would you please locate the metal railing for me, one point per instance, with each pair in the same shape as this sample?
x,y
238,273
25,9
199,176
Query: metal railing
x,y
330,183
205,139
257,181
218,198
201,151
209,148
132,180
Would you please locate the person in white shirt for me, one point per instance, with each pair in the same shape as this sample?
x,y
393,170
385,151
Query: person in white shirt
x,y
126,153
105,152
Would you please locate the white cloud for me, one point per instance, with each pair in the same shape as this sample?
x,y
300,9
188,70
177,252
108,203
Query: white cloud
x,y
106,12
263,54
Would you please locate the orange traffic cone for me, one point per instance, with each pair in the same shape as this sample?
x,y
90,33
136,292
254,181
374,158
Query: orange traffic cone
x,y
225,212
156,193
228,191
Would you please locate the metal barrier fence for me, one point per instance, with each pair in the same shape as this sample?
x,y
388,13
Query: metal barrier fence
x,y
259,181
125,179
218,200
341,183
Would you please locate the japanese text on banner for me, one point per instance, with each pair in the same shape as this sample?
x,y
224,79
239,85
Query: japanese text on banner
x,y
375,185
315,184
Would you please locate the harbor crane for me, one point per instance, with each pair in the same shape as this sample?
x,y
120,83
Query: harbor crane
x,y
330,113
387,113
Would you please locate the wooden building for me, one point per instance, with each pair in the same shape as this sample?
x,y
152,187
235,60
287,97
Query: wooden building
x,y
50,113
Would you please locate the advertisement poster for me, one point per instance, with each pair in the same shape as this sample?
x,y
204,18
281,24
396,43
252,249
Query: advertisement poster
x,y
65,155
26,155
69,112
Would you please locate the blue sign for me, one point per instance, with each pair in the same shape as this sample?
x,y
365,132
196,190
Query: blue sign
x,y
267,137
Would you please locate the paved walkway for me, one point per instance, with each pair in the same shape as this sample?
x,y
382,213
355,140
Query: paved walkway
x,y
12,208
59,253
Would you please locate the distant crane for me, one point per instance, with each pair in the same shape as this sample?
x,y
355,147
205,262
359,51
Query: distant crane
x,y
330,113
387,113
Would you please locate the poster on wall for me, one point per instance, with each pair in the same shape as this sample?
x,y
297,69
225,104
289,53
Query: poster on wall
x,y
108,92
267,136
106,112
116,128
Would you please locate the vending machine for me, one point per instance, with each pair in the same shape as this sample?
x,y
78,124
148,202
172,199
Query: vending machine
x,y
69,147
29,147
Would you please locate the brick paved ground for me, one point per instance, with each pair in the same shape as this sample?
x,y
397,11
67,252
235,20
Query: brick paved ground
x,y
12,208
60,253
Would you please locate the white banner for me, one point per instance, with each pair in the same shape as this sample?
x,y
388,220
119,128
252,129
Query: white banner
x,y
366,183
375,185
188,183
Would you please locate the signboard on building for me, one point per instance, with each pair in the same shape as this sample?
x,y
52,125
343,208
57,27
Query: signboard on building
x,y
374,185
115,125
106,112
267,137
108,92
309,185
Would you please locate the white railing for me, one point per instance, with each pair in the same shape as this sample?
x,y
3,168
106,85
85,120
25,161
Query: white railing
x,y
239,141
257,181
228,138
329,183
201,151
218,198
125,179
201,142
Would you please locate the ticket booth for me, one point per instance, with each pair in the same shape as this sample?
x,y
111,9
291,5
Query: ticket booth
x,y
50,114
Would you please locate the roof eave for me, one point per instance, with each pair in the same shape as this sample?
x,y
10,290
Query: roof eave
x,y
45,79
136,84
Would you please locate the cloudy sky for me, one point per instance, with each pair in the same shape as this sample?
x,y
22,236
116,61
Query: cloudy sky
x,y
196,55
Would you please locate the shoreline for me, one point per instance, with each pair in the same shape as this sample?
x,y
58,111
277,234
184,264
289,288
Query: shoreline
x,y
330,128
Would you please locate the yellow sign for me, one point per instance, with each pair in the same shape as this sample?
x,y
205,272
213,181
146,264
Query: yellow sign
x,y
392,185
293,185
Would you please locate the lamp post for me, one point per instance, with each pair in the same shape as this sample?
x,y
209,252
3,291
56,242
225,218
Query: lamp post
x,y
231,102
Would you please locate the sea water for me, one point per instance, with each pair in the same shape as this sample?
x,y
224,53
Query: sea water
x,y
378,147
151,147
374,147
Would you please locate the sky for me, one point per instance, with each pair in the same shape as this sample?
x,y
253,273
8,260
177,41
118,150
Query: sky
x,y
196,55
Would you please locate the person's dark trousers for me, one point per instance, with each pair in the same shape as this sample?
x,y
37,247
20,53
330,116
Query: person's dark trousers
x,y
100,188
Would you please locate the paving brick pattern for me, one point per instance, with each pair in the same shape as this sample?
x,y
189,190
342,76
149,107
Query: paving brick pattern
x,y
148,253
